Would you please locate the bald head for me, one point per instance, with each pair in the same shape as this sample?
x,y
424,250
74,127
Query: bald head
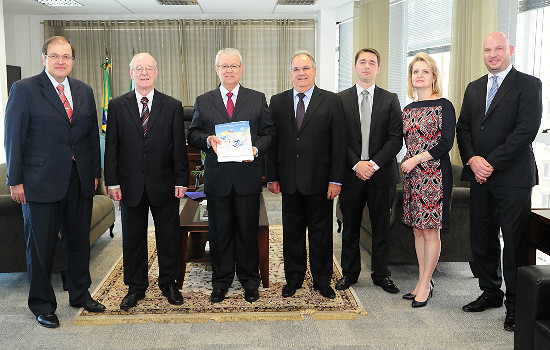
x,y
497,52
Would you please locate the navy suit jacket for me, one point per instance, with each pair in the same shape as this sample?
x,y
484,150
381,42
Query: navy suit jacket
x,y
504,134
40,141
385,138
244,177
157,161
309,158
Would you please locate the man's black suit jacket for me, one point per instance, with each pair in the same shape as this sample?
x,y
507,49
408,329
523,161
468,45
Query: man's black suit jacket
x,y
40,140
504,134
244,177
157,162
386,134
308,159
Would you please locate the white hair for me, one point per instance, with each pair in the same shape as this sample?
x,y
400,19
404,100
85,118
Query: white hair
x,y
228,51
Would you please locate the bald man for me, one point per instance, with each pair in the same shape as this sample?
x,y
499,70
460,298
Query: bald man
x,y
499,119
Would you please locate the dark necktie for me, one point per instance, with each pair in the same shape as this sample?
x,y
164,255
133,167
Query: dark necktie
x,y
230,106
65,101
300,110
144,115
492,93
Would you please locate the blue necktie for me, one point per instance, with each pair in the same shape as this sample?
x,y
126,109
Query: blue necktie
x,y
492,93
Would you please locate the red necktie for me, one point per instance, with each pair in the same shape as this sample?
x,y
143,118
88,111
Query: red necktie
x,y
65,101
230,106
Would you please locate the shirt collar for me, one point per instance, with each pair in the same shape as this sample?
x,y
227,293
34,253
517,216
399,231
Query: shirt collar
x,y
235,91
308,93
65,82
149,95
502,74
370,89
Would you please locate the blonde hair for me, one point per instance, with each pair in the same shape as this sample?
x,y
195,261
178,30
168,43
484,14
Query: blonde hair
x,y
436,86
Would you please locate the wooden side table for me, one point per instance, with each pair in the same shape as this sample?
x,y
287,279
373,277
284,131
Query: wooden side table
x,y
194,235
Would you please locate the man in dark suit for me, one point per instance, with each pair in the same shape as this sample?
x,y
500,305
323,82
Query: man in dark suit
x,y
52,153
146,167
500,117
233,188
307,166
375,136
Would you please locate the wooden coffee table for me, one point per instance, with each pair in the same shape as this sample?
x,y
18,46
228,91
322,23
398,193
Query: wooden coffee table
x,y
194,235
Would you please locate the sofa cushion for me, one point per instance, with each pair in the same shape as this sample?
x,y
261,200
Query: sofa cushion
x,y
542,335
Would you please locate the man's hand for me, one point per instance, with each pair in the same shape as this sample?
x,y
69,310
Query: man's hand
x,y
18,194
274,187
333,190
214,141
180,192
408,165
115,194
254,153
96,182
364,170
481,168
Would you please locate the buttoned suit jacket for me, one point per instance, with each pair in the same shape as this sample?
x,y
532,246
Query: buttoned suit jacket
x,y
385,138
307,159
221,177
156,162
504,134
40,141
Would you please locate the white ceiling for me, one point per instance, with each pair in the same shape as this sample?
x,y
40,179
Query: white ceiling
x,y
151,7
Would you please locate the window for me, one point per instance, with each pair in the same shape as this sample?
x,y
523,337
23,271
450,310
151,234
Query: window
x,y
345,55
418,26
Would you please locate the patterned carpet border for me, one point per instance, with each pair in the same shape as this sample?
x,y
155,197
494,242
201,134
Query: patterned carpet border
x,y
196,292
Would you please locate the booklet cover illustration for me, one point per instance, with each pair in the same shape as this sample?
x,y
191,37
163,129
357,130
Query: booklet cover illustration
x,y
236,143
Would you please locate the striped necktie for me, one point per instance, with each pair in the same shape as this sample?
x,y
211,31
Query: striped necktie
x,y
65,101
144,115
230,106
300,110
492,93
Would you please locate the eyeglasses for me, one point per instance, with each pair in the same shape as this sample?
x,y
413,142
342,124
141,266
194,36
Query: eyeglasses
x,y
147,69
304,69
56,57
226,67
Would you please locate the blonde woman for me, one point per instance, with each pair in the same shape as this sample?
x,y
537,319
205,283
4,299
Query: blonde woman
x,y
429,129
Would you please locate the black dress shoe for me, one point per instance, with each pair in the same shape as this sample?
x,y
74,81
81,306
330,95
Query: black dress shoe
x,y
345,282
481,304
510,321
173,295
93,306
416,304
387,285
130,300
48,320
251,295
409,296
218,295
326,291
290,289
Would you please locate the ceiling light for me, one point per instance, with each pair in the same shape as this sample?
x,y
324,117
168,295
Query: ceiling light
x,y
59,2
177,2
296,2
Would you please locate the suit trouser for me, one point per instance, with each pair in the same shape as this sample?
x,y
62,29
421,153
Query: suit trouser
x,y
315,213
134,242
355,195
508,209
43,222
233,234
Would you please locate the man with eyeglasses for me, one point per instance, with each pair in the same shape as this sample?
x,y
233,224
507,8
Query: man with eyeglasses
x,y
233,188
307,166
53,165
146,168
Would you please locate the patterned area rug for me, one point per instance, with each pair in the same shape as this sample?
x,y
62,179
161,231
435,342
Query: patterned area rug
x,y
196,293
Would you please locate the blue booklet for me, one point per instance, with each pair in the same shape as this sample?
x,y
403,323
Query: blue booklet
x,y
236,143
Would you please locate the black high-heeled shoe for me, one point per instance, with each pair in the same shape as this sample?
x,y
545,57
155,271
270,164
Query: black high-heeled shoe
x,y
409,296
419,303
